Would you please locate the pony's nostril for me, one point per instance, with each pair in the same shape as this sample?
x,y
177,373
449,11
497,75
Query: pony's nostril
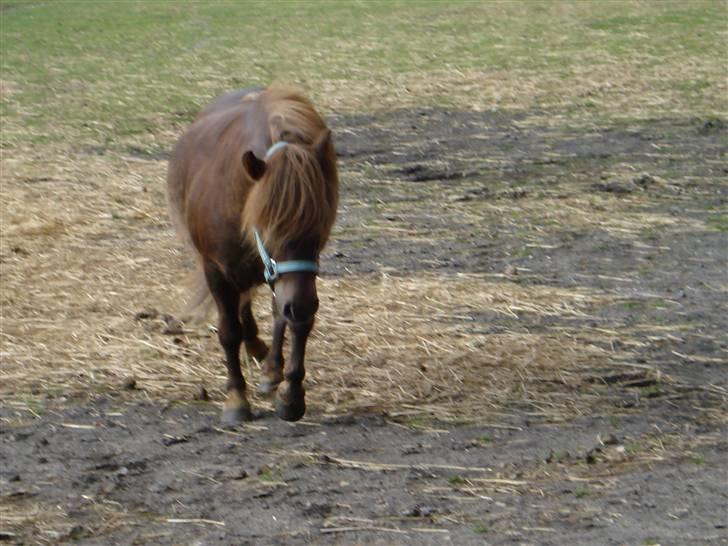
x,y
300,312
288,312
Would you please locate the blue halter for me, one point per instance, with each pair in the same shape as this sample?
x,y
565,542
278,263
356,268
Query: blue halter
x,y
272,269
273,149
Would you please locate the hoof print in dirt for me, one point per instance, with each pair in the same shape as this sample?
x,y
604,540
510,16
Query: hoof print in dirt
x,y
239,475
617,188
592,456
712,126
172,326
316,509
645,180
418,511
146,314
154,321
172,440
201,395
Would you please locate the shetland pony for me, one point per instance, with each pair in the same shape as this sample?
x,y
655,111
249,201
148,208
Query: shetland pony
x,y
253,189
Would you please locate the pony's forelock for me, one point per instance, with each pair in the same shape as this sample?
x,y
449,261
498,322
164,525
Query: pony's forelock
x,y
293,202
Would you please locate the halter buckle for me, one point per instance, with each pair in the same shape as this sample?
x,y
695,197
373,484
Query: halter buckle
x,y
270,272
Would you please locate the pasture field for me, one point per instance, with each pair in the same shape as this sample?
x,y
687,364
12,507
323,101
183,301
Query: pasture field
x,y
523,308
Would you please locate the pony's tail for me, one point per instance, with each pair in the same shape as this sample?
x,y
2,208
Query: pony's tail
x,y
200,303
198,307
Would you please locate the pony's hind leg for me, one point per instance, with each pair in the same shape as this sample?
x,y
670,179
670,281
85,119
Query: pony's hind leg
x,y
273,364
254,346
230,333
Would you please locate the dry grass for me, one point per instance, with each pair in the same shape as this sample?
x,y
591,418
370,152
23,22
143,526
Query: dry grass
x,y
75,274
416,345
410,344
622,90
53,524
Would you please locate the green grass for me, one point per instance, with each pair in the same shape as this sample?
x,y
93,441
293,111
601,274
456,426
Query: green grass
x,y
718,222
417,422
651,391
480,528
582,492
558,456
268,476
111,72
485,439
34,406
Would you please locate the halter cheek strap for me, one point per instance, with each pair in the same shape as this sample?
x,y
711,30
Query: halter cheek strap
x,y
272,269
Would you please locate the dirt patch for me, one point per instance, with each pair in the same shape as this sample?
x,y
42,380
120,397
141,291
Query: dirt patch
x,y
135,473
521,341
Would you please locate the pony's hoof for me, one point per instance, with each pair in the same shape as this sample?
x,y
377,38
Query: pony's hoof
x,y
292,411
236,408
256,349
235,416
267,386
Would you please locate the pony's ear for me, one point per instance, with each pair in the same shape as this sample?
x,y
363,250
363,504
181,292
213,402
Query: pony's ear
x,y
253,166
323,148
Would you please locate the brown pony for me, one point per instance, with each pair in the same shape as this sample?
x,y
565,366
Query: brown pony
x,y
253,189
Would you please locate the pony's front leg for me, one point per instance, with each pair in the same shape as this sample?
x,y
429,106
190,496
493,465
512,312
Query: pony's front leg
x,y
290,400
230,334
273,363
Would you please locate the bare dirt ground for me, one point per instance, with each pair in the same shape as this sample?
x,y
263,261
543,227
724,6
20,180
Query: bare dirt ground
x,y
522,341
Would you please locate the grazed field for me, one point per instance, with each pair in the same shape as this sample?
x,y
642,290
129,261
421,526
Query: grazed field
x,y
521,337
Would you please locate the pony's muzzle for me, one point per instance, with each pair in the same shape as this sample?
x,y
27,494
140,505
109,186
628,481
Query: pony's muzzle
x,y
297,299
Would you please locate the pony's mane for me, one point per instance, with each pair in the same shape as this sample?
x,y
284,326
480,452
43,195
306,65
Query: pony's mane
x,y
296,200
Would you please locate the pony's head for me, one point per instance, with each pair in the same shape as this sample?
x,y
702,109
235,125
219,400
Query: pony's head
x,y
292,207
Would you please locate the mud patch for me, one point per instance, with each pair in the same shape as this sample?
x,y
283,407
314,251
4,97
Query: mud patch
x,y
109,471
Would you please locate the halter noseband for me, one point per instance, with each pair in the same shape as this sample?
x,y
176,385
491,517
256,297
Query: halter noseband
x,y
272,269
